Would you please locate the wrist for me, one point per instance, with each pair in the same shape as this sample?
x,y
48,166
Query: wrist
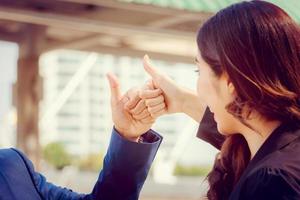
x,y
126,135
185,100
193,106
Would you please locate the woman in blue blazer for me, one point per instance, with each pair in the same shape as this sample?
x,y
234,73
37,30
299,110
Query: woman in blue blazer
x,y
131,151
248,65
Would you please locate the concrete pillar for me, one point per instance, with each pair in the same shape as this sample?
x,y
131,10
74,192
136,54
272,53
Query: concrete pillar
x,y
29,92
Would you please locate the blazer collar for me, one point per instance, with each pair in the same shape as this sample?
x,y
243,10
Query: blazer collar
x,y
281,136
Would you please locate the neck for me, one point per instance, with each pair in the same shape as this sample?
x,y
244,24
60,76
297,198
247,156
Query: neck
x,y
256,138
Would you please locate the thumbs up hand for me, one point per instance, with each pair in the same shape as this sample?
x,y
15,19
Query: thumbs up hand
x,y
129,127
177,99
173,93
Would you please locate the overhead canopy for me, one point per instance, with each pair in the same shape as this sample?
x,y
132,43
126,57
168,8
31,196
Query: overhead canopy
x,y
165,29
291,6
105,26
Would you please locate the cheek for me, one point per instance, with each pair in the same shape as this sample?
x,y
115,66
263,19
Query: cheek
x,y
213,95
204,88
207,92
227,123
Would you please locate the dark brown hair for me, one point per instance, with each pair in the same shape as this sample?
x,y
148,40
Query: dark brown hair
x,y
257,45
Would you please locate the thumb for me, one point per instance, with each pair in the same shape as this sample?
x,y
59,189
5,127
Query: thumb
x,y
114,87
152,71
150,85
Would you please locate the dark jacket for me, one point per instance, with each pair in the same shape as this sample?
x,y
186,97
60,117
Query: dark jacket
x,y
274,171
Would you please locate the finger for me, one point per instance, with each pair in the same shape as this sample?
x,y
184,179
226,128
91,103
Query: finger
x,y
156,108
159,113
145,113
114,87
134,99
149,94
139,108
148,120
154,101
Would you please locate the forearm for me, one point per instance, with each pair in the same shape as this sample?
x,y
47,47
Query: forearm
x,y
125,169
126,166
192,105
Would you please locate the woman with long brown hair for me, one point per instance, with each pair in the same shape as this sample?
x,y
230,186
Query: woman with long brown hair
x,y
249,78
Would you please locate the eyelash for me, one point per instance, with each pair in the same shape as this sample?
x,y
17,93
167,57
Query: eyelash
x,y
197,71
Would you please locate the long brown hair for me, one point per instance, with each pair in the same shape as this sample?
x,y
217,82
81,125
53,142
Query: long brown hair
x,y
257,45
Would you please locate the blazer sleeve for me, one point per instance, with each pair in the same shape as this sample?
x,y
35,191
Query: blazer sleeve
x,y
270,183
208,130
124,172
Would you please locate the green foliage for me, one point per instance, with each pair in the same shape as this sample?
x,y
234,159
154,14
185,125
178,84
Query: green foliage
x,y
93,162
181,170
55,154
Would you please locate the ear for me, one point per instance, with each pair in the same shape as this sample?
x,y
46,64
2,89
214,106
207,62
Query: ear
x,y
229,85
231,88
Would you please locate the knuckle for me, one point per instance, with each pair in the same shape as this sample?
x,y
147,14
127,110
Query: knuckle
x,y
147,102
151,109
161,97
154,115
145,112
134,111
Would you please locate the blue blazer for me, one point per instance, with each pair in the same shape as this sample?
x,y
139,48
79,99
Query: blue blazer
x,y
125,169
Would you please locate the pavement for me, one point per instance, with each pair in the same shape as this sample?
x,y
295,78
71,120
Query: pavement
x,y
185,188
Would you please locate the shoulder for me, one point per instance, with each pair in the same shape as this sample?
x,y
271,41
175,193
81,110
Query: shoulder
x,y
8,154
8,151
269,175
19,153
286,159
11,158
278,174
271,182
